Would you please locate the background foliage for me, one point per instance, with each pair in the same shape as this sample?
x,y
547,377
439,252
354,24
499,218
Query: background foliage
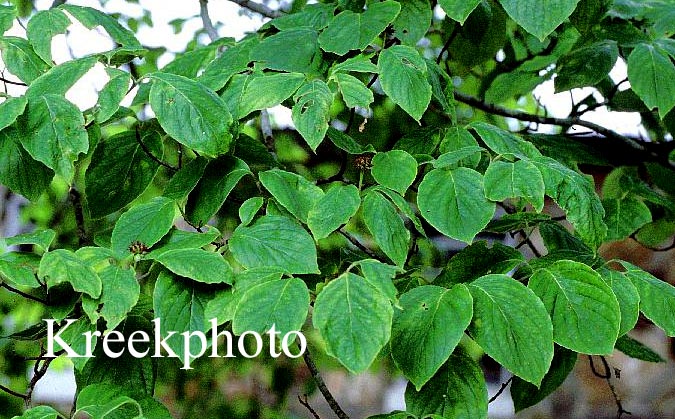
x,y
415,132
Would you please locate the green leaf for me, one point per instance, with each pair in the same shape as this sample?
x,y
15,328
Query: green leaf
x,y
386,226
360,64
538,18
60,265
21,60
504,142
394,169
347,143
628,297
283,303
354,320
521,179
657,297
119,295
120,170
41,238
191,113
249,209
39,412
439,81
293,192
457,391
348,30
584,311
454,203
637,350
179,304
18,170
512,325
380,276
315,16
302,57
101,400
576,195
586,66
354,92
458,10
200,265
233,60
274,241
19,269
403,206
413,22
477,260
146,223
220,177
10,109
111,95
58,80
458,140
452,158
525,394
403,76
624,216
311,111
185,179
266,91
651,72
43,27
179,239
335,208
54,133
7,16
426,329
516,221
91,18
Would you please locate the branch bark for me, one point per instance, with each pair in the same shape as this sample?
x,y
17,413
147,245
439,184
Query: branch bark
x,y
334,406
258,8
206,20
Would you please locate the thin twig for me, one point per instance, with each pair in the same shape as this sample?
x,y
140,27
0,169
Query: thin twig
x,y
147,151
57,3
16,83
23,294
501,390
76,199
335,407
446,45
206,20
303,401
358,244
607,376
12,392
258,8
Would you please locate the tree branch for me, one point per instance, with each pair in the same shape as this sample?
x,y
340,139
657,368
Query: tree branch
x,y
15,83
12,392
57,3
358,244
75,198
21,293
258,8
206,20
147,151
335,407
303,401
548,120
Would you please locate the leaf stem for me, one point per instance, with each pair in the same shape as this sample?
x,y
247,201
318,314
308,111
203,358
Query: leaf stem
x,y
258,8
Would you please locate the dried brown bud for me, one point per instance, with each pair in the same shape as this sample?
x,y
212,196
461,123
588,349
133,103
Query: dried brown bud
x,y
138,247
363,162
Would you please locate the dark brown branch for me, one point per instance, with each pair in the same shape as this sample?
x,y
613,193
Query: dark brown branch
x,y
258,8
445,47
501,390
76,199
358,244
548,120
23,294
57,3
206,20
303,401
335,407
16,83
12,392
607,376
